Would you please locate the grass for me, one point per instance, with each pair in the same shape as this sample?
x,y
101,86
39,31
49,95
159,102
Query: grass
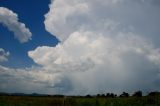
x,y
78,101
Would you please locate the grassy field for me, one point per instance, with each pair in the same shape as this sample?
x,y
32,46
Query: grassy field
x,y
78,101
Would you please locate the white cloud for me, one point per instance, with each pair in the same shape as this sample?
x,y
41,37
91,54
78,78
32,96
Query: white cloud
x,y
3,55
10,19
104,44
29,80
139,16
95,63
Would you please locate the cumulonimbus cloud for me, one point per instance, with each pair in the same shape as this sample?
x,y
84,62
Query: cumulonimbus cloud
x,y
99,52
10,19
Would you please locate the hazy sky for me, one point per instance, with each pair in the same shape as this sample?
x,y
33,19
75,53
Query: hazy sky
x,y
79,46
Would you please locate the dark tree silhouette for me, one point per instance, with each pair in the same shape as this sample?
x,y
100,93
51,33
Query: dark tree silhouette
x,y
154,93
98,95
88,96
124,94
103,95
112,95
137,94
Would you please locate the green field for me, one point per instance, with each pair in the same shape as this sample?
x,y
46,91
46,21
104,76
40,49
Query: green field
x,y
79,101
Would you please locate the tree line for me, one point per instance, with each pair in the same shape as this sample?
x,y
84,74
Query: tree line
x,y
124,94
108,95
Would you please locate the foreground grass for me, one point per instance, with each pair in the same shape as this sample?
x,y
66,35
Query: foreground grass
x,y
76,101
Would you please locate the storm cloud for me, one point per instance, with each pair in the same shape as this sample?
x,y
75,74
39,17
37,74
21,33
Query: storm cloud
x,y
106,45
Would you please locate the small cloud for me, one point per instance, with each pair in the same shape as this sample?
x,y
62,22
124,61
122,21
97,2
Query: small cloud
x,y
3,55
10,20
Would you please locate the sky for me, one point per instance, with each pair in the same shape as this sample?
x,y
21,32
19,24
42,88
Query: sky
x,y
79,47
32,16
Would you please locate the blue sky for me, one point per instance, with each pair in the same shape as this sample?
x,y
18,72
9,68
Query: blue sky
x,y
32,14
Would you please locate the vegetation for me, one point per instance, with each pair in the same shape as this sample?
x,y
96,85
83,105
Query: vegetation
x,y
109,99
